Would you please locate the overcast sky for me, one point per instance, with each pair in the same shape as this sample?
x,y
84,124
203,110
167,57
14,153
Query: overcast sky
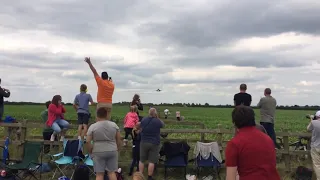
x,y
195,50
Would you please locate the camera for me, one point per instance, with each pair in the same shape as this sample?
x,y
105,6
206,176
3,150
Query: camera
x,y
308,116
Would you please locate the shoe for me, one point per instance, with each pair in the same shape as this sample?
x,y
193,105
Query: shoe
x,y
62,138
52,138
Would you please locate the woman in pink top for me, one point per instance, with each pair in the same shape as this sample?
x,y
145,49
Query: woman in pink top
x,y
130,122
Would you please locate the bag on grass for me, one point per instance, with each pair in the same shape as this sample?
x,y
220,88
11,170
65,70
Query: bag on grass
x,y
81,172
303,173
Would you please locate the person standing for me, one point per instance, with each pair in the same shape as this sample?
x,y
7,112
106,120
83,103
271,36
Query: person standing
x,y
81,105
106,142
105,88
314,127
166,113
150,141
4,93
242,98
251,152
136,101
267,107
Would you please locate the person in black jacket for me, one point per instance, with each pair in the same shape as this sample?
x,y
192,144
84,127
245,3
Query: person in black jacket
x,y
3,93
135,148
136,101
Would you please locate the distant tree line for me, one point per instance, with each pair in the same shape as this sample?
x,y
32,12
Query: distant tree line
x,y
206,105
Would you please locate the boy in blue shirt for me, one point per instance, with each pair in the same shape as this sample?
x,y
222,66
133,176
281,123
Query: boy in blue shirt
x,y
81,105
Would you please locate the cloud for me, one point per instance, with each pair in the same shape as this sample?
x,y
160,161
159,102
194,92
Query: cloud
x,y
195,51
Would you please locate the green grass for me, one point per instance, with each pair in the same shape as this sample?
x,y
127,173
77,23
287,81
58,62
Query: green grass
x,y
293,120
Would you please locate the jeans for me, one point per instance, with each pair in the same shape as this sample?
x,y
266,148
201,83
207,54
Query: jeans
x,y
269,127
59,124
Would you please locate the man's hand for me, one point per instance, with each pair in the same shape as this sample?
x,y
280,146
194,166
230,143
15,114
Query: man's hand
x,y
87,60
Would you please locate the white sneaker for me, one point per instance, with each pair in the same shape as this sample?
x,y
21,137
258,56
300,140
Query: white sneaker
x,y
62,138
52,138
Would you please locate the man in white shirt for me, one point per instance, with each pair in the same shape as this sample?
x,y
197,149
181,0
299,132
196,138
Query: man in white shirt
x,y
314,127
166,113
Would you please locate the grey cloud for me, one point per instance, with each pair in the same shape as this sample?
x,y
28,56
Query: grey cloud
x,y
80,19
231,21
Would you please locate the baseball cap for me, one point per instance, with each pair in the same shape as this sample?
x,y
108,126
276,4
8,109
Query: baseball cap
x,y
318,113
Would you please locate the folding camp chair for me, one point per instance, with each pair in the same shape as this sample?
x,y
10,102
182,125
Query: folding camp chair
x,y
176,156
61,159
89,162
208,155
5,151
30,163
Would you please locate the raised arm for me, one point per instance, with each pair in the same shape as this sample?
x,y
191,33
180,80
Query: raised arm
x,y
94,71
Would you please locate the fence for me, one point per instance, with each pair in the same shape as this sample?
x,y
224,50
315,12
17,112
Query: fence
x,y
202,131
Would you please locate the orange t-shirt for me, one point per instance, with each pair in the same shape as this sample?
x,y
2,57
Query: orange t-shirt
x,y
105,90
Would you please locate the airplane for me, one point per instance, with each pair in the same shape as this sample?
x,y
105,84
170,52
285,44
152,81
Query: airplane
x,y
158,90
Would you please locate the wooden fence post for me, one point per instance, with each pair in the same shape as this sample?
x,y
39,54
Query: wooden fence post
x,y
23,138
286,150
219,135
202,126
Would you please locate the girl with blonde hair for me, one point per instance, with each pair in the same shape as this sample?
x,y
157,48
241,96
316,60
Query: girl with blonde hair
x,y
130,121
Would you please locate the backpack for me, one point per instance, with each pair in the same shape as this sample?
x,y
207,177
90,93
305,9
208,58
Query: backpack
x,y
82,172
303,173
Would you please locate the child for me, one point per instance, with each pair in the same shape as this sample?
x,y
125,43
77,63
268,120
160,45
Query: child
x,y
81,105
135,148
129,122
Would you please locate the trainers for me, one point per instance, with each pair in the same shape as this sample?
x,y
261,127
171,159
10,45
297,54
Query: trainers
x,y
62,138
52,137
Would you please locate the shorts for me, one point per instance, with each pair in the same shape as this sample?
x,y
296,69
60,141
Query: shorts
x,y
105,161
108,106
83,118
149,152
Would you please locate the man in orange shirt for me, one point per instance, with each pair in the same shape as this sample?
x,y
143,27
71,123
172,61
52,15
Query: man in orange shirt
x,y
105,88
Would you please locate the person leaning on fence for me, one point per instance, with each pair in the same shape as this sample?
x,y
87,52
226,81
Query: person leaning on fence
x,y
314,127
105,88
47,131
150,141
130,121
81,105
103,144
267,107
250,152
56,118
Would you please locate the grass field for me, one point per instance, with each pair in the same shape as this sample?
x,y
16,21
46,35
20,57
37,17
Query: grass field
x,y
294,120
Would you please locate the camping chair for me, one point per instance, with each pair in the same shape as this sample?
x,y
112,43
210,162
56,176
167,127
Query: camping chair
x,y
208,155
5,151
30,163
89,162
63,159
176,156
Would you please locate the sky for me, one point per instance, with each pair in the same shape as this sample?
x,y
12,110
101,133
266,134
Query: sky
x,y
195,51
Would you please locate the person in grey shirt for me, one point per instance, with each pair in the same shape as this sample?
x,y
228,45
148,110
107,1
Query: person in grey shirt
x,y
104,141
267,107
314,127
81,105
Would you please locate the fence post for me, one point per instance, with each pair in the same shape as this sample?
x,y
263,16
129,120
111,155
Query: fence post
x,y
219,135
202,126
23,138
286,150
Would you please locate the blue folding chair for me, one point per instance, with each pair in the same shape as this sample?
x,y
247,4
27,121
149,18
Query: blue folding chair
x,y
176,156
212,157
5,151
61,160
89,162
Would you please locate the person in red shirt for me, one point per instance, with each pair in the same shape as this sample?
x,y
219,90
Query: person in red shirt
x,y
56,118
251,152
